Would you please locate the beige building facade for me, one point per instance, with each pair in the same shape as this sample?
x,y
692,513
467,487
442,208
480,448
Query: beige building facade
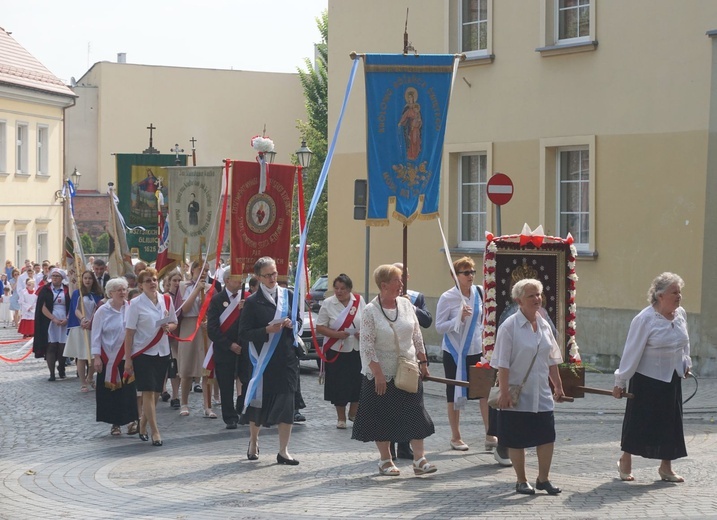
x,y
602,112
32,116
220,109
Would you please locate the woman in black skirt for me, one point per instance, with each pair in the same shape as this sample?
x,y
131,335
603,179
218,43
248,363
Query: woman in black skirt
x,y
655,359
149,318
116,402
387,414
526,351
339,322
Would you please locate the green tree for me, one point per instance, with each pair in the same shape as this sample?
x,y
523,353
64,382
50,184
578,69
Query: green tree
x,y
102,244
314,81
86,242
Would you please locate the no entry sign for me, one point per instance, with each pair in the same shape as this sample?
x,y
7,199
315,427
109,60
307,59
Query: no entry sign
x,y
500,189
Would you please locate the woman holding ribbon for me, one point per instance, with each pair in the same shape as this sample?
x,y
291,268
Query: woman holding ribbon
x,y
116,401
339,322
53,307
459,318
82,306
146,349
266,330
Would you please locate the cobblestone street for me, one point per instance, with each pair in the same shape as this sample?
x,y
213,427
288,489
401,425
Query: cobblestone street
x,y
57,462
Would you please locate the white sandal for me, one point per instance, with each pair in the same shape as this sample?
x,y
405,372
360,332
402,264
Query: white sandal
x,y
423,467
390,471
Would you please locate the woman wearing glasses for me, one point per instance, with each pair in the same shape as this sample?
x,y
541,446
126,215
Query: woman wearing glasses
x,y
266,330
150,317
459,318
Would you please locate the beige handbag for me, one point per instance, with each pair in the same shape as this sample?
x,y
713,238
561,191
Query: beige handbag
x,y
407,373
513,390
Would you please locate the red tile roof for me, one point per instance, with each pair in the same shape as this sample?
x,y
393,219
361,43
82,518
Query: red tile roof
x,y
20,68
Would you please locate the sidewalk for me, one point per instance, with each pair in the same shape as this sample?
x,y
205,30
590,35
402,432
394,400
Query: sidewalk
x,y
57,462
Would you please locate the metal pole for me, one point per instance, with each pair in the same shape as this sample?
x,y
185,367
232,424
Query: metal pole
x,y
405,259
366,262
498,230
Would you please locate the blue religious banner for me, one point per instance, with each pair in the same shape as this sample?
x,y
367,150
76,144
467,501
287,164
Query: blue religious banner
x,y
406,107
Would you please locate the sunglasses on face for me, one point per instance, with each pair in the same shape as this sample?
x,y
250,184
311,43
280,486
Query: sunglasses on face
x,y
469,272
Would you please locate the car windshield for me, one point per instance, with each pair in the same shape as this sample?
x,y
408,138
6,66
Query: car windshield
x,y
321,284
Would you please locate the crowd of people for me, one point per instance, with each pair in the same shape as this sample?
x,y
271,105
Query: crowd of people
x,y
130,335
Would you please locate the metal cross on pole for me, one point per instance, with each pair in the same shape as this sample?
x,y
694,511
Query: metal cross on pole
x,y
194,151
177,150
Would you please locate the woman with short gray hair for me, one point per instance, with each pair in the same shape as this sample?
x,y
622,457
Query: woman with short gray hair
x,y
655,359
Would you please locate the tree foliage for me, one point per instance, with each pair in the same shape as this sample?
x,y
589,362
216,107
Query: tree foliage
x,y
86,242
314,81
102,244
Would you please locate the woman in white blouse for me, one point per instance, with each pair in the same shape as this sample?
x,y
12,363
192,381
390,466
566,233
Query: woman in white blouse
x,y
116,402
149,318
525,345
655,359
459,319
339,322
387,414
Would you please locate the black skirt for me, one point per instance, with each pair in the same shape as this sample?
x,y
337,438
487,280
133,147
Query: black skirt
x,y
652,427
396,416
275,409
116,406
525,429
149,372
343,379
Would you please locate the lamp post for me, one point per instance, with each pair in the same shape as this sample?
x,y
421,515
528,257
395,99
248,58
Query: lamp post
x,y
76,177
304,155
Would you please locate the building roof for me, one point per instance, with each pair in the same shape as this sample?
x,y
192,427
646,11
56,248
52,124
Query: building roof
x,y
21,69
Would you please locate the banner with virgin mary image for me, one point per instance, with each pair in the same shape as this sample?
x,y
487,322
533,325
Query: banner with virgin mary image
x,y
193,215
407,100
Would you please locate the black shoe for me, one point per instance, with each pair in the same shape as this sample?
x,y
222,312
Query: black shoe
x,y
252,456
243,420
501,456
298,417
157,443
61,375
232,425
547,486
404,451
524,488
165,396
143,437
174,403
51,378
392,449
198,389
288,462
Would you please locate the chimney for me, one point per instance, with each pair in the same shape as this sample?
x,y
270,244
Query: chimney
x,y
121,57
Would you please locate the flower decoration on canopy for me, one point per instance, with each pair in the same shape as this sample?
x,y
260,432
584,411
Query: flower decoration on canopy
x,y
263,146
537,238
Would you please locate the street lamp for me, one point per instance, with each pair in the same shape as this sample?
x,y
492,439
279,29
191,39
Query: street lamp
x,y
269,156
76,178
304,154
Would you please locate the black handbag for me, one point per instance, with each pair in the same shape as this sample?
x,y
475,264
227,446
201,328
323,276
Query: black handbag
x,y
173,370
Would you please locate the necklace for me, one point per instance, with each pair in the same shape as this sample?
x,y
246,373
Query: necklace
x,y
384,312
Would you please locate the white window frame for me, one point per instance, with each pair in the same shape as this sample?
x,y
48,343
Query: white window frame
x,y
549,204
560,210
43,250
3,147
43,150
476,53
550,43
482,196
577,39
22,137
3,247
20,253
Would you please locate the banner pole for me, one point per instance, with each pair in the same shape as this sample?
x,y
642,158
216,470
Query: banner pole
x,y
405,259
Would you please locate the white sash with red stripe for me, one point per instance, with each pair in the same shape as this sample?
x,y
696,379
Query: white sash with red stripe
x,y
343,320
226,320
113,381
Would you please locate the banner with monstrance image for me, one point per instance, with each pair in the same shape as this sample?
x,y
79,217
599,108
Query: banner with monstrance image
x,y
194,205
407,100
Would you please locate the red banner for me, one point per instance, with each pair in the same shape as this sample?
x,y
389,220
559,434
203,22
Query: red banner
x,y
261,222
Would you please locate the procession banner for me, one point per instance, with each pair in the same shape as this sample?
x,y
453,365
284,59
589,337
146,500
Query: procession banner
x,y
406,107
74,259
261,222
119,261
194,205
137,181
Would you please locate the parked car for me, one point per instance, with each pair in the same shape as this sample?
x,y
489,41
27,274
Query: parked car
x,y
317,293
309,350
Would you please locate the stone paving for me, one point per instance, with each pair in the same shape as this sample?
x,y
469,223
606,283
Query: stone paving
x,y
57,462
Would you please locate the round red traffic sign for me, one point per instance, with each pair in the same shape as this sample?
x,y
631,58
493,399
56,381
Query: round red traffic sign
x,y
499,189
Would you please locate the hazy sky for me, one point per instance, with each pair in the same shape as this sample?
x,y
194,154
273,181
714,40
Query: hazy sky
x,y
69,36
